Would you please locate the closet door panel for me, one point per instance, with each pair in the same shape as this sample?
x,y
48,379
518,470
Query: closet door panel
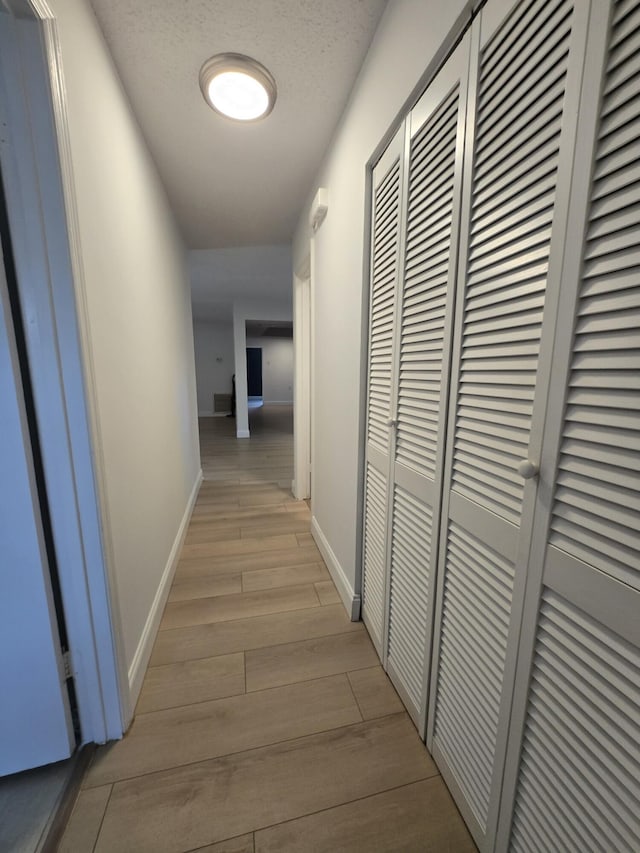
x,y
435,157
573,768
578,783
385,253
529,60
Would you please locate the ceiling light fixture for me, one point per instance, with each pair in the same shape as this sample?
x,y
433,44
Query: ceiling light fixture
x,y
238,87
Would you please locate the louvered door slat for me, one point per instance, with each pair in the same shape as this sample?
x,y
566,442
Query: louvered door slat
x,y
511,197
384,272
430,249
581,737
374,561
467,656
607,322
385,251
422,171
408,605
574,762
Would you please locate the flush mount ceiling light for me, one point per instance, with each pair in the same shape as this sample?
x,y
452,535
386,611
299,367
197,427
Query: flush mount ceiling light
x,y
238,87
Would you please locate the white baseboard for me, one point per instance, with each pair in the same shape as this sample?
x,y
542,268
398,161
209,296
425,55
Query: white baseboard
x,y
143,652
346,592
243,433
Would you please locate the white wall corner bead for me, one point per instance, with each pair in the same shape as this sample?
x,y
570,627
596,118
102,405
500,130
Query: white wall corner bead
x,y
319,209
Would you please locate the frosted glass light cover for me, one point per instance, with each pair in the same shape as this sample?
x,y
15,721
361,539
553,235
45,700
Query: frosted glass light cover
x,y
238,95
238,87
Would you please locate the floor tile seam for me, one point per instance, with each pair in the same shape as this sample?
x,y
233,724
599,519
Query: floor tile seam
x,y
246,693
355,698
243,618
125,779
281,568
317,678
241,513
253,648
248,592
188,660
347,803
223,841
178,580
210,536
224,621
286,585
309,640
240,553
104,813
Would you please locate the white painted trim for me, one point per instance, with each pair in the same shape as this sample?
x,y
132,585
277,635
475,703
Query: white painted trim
x,y
43,171
350,599
301,485
142,654
240,371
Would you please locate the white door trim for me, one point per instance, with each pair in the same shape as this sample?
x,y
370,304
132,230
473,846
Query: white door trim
x,y
302,385
38,172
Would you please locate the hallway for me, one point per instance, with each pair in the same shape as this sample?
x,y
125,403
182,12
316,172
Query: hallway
x,y
265,722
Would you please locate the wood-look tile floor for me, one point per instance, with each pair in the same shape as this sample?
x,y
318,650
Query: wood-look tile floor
x,y
265,723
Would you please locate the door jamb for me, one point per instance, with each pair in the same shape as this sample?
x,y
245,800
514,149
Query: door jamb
x,y
39,186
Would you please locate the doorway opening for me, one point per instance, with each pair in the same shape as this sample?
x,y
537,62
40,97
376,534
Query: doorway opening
x,y
254,377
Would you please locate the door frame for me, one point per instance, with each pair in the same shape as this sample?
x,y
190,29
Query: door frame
x,y
39,184
302,381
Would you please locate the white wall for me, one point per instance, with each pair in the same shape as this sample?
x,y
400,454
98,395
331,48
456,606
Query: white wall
x,y
139,329
408,36
277,368
215,365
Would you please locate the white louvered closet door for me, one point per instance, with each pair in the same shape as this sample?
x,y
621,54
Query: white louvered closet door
x,y
573,779
385,254
523,96
423,338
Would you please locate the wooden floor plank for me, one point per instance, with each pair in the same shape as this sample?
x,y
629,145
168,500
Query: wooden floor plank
x,y
416,818
198,641
224,608
188,807
187,682
285,576
191,733
293,662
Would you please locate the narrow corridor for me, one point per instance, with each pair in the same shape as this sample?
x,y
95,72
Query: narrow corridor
x,y
265,722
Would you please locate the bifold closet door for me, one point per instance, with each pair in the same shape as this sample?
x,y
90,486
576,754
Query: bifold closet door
x,y
573,769
385,254
524,88
423,342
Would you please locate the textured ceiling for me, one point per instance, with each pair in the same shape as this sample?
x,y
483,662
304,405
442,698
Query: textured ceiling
x,y
232,184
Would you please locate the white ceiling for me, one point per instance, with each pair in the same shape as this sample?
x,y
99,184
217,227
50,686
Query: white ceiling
x,y
232,184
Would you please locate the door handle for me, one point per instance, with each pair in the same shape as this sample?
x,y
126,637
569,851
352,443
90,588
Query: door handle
x,y
528,469
392,422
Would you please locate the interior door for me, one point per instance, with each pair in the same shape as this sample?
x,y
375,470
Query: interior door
x,y
35,721
385,259
423,342
524,89
573,780
254,371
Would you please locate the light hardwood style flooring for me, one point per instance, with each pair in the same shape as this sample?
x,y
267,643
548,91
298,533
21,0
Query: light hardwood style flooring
x,y
265,723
